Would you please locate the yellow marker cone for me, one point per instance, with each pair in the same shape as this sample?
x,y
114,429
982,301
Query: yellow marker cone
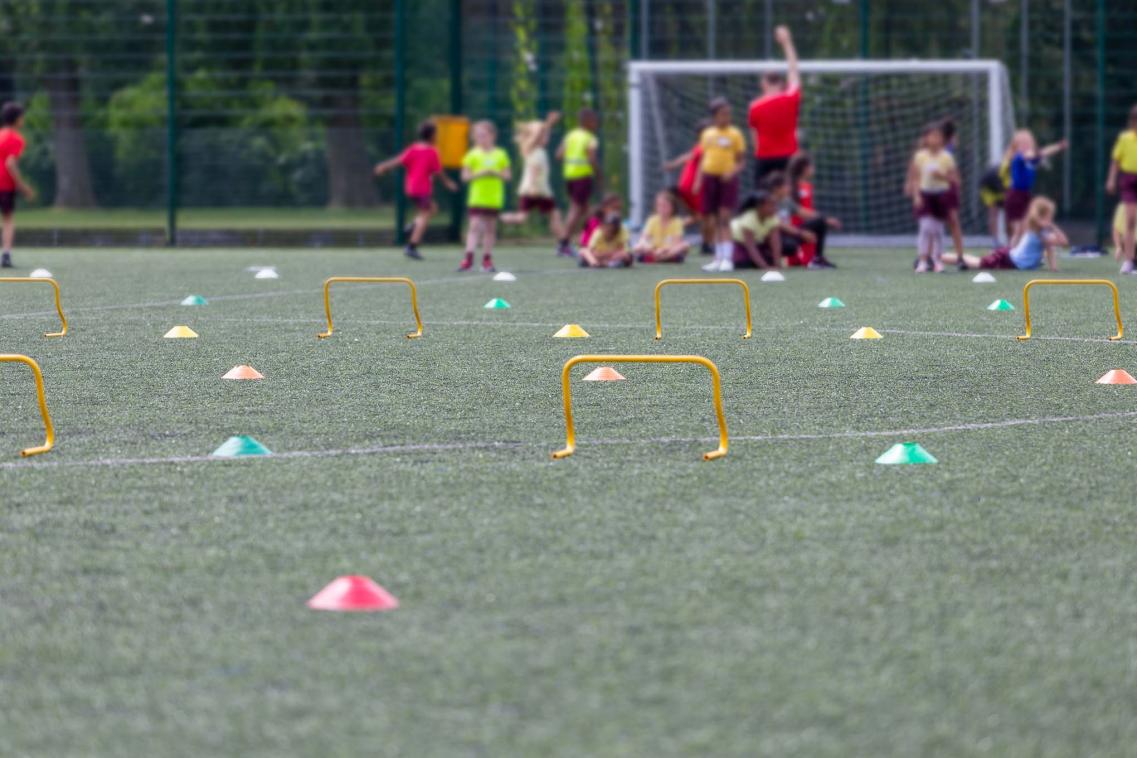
x,y
866,333
571,331
181,333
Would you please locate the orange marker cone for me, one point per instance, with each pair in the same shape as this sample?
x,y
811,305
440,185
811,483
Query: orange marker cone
x,y
604,374
1118,376
353,593
243,372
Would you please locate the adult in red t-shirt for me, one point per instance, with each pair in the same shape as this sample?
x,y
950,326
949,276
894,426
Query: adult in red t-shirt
x,y
421,163
11,181
774,114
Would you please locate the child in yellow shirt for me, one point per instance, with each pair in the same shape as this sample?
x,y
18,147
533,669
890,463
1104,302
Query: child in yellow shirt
x,y
608,246
1123,181
717,181
662,239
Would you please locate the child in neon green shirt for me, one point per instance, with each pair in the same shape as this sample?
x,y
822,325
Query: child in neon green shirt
x,y
579,152
485,169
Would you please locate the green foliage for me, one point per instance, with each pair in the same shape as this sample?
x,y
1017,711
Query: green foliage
x,y
522,92
575,63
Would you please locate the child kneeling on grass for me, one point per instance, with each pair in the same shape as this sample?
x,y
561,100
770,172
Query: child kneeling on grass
x,y
1037,242
608,245
756,233
662,239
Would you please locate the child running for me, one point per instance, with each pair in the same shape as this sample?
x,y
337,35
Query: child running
x,y
1123,181
535,194
755,233
662,239
717,181
11,180
485,169
931,174
805,216
1036,244
580,154
608,246
1024,157
685,188
422,164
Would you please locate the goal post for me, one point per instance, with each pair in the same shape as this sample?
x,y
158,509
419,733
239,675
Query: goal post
x,y
859,119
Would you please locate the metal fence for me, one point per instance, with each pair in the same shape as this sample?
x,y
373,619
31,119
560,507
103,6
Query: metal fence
x,y
268,114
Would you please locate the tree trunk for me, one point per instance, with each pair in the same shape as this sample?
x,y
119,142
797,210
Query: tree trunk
x,y
349,171
73,187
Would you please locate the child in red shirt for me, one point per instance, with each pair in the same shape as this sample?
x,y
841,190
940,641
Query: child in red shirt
x,y
11,180
685,189
422,164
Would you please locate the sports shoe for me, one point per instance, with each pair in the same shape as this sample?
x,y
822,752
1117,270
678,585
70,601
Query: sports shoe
x,y
921,266
820,263
412,252
1126,268
707,249
712,267
938,267
564,249
726,265
487,265
467,262
962,265
6,260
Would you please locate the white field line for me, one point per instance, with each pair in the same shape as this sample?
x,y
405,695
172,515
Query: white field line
x,y
258,295
899,434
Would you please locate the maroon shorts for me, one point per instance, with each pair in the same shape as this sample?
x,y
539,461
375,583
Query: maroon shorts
x,y
7,203
484,212
422,202
719,194
529,203
1127,187
951,199
580,190
741,256
1015,205
934,204
999,258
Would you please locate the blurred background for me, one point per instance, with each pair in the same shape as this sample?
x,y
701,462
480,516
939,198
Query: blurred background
x,y
258,121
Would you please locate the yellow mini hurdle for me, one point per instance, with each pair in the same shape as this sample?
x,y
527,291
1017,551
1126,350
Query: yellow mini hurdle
x,y
668,282
370,280
1066,283
50,442
58,301
716,385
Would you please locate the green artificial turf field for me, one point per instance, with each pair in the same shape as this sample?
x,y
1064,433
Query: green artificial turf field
x,y
793,598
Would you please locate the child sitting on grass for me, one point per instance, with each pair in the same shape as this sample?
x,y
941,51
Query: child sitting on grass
x,y
756,233
608,245
662,239
1037,242
609,204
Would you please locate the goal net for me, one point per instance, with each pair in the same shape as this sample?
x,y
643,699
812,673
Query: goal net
x,y
859,121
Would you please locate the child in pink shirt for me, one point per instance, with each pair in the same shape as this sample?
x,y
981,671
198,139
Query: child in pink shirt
x,y
421,163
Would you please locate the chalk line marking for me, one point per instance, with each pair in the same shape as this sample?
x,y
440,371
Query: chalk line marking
x,y
430,447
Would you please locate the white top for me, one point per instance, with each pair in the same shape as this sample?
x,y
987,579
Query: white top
x,y
535,178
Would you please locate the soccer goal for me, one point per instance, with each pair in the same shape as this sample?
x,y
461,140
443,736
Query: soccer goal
x,y
860,120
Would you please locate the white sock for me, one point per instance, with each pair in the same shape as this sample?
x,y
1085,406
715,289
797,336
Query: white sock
x,y
722,251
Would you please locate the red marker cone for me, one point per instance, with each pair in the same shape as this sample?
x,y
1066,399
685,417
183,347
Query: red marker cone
x,y
1118,376
353,593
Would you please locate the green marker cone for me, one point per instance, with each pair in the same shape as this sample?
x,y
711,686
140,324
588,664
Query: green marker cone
x,y
195,300
905,453
241,446
1000,305
831,302
497,304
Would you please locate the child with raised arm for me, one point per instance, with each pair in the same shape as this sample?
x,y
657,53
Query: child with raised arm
x,y
535,195
485,169
1025,157
755,233
580,155
931,174
421,163
662,238
608,246
773,116
11,180
1123,181
1036,244
685,188
724,148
